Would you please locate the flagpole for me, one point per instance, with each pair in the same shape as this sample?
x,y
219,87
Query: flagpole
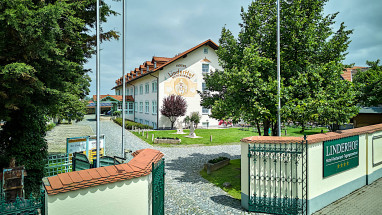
x,y
278,70
124,78
98,112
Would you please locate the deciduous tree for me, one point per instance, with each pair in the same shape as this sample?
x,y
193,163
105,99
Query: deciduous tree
x,y
173,107
311,65
43,47
369,84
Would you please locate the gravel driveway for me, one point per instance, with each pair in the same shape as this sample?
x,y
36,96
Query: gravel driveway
x,y
186,191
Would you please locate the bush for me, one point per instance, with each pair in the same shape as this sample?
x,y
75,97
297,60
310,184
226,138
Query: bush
x,y
117,113
216,160
130,124
50,126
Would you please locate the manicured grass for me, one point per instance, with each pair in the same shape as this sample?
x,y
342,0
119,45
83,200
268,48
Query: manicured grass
x,y
219,136
229,173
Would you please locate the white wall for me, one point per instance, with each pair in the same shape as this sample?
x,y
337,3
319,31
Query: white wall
x,y
193,64
123,197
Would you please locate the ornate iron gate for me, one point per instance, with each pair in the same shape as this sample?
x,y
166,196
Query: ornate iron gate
x,y
278,178
158,188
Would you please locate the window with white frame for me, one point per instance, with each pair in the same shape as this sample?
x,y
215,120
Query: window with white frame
x,y
147,107
141,89
140,107
135,119
132,91
127,91
204,87
205,68
131,108
154,106
147,122
205,50
205,110
147,88
136,89
141,121
154,125
120,106
154,86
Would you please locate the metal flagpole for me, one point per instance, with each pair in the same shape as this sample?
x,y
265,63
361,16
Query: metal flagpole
x,y
278,70
124,78
98,112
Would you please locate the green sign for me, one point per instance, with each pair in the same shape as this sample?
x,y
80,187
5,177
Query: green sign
x,y
340,155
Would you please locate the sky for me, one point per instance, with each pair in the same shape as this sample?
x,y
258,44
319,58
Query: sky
x,y
168,27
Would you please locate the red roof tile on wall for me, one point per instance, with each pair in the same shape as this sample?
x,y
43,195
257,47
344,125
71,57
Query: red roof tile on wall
x,y
139,166
315,138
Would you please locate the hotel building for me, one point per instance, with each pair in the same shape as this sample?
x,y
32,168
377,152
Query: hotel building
x,y
181,75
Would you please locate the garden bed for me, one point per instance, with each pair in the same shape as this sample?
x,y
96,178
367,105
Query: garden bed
x,y
216,164
167,140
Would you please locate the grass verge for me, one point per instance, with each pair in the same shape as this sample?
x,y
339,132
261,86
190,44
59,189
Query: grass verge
x,y
229,173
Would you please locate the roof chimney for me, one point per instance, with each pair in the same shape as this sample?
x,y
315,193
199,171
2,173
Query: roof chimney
x,y
147,67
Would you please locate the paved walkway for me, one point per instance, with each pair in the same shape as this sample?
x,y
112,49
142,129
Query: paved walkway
x,y
188,193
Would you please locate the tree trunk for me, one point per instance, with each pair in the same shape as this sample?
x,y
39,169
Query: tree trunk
x,y
266,127
258,128
274,128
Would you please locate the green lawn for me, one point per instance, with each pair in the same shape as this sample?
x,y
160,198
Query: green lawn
x,y
219,136
229,173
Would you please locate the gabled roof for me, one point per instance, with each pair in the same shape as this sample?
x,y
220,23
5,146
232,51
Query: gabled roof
x,y
114,97
140,165
163,61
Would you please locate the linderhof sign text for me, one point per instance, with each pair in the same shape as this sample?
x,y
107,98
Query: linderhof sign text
x,y
340,155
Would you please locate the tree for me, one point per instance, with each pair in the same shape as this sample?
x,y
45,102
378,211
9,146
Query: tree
x,y
173,107
195,118
369,84
311,65
43,47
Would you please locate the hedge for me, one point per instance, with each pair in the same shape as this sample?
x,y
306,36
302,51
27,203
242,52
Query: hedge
x,y
130,124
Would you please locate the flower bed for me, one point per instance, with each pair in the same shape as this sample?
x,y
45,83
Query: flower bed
x,y
167,140
216,164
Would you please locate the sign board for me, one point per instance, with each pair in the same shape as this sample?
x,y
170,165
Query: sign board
x,y
86,145
13,183
340,155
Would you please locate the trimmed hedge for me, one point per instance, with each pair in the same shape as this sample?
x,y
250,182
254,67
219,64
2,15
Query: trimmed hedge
x,y
216,160
130,124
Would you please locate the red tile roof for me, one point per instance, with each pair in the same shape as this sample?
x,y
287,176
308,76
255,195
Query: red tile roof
x,y
315,138
162,61
139,166
117,97
349,72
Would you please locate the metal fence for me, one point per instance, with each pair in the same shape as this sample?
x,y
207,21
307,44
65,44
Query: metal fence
x,y
158,174
278,178
58,163
32,205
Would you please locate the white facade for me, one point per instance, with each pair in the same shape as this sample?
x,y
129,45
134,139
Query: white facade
x,y
181,75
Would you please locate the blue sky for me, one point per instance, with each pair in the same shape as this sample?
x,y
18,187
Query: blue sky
x,y
165,28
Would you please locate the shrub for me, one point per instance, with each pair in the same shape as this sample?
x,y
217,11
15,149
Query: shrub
x,y
130,124
50,126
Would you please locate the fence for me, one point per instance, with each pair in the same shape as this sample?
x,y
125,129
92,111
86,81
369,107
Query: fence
x,y
32,205
285,175
277,178
58,163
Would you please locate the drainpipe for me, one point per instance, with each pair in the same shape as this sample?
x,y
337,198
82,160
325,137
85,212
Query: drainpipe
x,y
134,99
157,99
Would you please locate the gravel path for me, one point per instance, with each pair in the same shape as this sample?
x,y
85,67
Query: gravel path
x,y
186,191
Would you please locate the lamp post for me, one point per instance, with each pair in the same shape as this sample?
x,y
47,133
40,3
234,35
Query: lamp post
x,y
278,70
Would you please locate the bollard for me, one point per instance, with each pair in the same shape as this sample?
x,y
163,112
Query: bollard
x,y
152,137
211,138
147,135
143,133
